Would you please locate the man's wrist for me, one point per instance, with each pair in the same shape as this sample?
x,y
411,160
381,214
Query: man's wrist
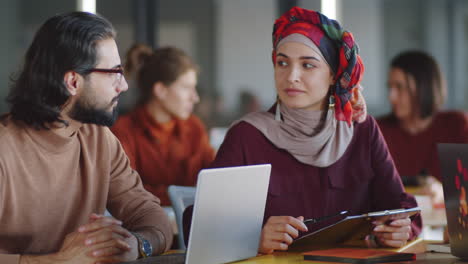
x,y
27,259
31,259
145,249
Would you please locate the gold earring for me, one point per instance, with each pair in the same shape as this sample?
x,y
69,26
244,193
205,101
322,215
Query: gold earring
x,y
331,101
278,111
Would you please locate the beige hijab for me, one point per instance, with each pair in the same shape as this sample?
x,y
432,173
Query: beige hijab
x,y
294,131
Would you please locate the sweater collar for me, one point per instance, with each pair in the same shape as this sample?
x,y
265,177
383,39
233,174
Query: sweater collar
x,y
149,122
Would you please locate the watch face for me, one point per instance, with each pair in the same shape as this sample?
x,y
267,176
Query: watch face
x,y
147,248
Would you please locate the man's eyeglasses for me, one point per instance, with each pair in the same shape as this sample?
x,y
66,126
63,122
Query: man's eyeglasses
x,y
118,73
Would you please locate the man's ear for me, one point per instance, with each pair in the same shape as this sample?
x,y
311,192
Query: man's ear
x,y
73,81
159,90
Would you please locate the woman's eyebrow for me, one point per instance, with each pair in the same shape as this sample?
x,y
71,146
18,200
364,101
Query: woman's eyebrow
x,y
302,57
282,55
309,58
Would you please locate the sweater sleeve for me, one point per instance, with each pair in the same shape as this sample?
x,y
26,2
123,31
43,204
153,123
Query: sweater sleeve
x,y
6,258
139,210
387,189
9,259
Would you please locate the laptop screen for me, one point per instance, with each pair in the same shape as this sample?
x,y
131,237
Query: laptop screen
x,y
454,169
228,214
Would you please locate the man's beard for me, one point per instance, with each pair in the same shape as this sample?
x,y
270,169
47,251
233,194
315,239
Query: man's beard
x,y
83,112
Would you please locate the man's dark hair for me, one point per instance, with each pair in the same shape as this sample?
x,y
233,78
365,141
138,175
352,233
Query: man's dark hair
x,y
65,42
430,87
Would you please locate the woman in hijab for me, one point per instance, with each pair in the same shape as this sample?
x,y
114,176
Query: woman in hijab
x,y
327,155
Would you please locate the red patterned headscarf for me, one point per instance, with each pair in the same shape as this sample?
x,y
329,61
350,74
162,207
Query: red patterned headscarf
x,y
339,50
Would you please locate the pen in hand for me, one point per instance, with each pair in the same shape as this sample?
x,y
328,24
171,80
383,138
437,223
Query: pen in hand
x,y
322,218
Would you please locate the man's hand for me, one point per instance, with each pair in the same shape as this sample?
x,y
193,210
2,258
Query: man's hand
x,y
393,234
109,239
102,240
279,232
73,251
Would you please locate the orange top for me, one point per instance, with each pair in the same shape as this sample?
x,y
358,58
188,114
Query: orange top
x,y
164,154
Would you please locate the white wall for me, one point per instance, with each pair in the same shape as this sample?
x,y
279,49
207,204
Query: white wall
x,y
437,27
317,6
364,19
459,56
181,35
8,47
243,49
310,4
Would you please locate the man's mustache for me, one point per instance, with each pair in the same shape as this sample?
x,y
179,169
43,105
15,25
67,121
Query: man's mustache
x,y
115,98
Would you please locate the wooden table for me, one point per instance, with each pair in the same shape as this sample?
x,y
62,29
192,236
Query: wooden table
x,y
295,258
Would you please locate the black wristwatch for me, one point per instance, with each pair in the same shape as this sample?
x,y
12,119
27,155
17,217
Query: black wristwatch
x,y
144,246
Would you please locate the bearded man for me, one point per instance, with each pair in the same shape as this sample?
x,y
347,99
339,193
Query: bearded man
x,y
61,167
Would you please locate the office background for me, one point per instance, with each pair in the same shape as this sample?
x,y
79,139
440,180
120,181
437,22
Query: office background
x,y
231,40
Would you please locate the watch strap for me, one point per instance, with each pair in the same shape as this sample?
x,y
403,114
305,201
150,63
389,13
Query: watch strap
x,y
143,246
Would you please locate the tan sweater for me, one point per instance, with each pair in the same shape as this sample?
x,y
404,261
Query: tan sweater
x,y
49,185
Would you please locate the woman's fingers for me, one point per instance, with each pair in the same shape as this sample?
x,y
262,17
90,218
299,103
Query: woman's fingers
x,y
392,218
280,237
392,229
275,245
393,234
391,243
292,221
279,232
283,228
401,222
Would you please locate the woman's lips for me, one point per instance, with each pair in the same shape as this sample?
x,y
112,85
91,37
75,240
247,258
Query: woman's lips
x,y
293,91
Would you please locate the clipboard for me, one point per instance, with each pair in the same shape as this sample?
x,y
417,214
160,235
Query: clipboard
x,y
351,231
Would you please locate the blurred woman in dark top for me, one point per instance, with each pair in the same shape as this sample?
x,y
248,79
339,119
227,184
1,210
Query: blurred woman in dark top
x,y
416,93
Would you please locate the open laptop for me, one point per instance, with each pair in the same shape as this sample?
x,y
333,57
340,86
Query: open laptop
x,y
454,168
228,214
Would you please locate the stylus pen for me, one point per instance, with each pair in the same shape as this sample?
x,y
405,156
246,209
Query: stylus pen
x,y
319,219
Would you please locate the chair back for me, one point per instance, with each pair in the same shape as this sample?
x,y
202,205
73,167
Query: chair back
x,y
181,197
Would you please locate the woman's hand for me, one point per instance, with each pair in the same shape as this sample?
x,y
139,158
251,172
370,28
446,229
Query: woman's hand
x,y
278,233
433,188
393,234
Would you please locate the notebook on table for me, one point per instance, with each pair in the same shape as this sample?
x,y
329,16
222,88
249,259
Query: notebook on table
x,y
228,214
454,170
358,255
